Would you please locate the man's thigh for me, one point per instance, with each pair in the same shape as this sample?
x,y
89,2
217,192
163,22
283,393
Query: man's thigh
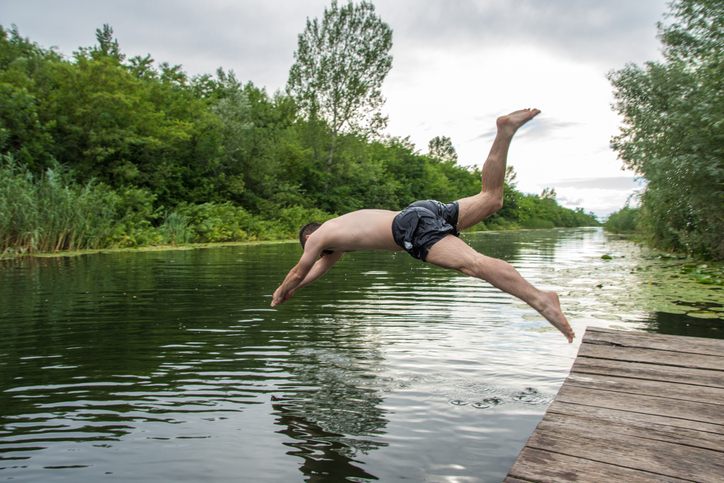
x,y
475,209
452,253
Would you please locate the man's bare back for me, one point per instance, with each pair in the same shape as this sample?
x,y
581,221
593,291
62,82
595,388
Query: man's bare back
x,y
373,230
358,230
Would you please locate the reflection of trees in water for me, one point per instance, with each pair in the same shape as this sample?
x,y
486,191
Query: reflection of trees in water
x,y
326,454
682,324
327,410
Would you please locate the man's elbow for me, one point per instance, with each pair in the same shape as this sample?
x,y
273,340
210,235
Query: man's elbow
x,y
497,204
296,276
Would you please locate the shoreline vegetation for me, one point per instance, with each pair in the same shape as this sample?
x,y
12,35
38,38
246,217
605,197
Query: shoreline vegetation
x,y
98,151
51,213
671,133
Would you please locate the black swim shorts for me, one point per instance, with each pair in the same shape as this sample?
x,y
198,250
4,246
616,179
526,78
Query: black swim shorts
x,y
422,224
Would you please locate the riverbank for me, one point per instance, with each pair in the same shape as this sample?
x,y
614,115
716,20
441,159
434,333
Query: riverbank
x,y
148,248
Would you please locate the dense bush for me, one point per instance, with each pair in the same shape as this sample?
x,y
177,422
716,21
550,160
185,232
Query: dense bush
x,y
623,221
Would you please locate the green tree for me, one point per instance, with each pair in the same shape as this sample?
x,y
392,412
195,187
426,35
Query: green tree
x,y
107,45
548,194
130,125
23,67
233,110
441,148
673,134
340,65
623,221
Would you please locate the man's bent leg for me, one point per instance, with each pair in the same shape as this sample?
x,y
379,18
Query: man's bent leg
x,y
476,208
455,254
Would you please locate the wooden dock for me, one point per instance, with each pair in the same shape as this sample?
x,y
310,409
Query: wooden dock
x,y
636,407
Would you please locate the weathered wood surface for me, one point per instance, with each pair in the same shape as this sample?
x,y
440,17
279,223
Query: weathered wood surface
x,y
635,408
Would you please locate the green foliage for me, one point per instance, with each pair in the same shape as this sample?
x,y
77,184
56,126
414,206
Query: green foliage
x,y
107,152
672,133
707,274
175,229
209,222
532,211
23,133
623,221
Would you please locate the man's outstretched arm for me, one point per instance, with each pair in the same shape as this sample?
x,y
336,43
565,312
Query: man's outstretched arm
x,y
302,275
318,269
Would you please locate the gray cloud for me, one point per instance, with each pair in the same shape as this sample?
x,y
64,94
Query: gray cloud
x,y
568,202
257,39
612,32
617,183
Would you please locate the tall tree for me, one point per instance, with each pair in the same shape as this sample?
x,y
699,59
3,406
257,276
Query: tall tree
x,y
442,149
340,65
672,130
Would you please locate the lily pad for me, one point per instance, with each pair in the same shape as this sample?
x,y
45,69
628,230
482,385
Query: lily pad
x,y
705,315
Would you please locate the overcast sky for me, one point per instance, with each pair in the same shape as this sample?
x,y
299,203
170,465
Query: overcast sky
x,y
458,64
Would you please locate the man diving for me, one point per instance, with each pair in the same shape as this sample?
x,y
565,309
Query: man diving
x,y
428,230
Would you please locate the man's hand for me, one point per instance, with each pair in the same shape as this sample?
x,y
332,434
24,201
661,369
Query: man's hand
x,y
278,299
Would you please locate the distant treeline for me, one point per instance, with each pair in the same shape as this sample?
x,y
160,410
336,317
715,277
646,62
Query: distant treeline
x,y
103,151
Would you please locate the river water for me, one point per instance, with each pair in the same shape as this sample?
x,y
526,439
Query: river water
x,y
171,366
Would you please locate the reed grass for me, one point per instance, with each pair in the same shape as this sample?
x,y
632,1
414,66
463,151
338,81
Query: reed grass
x,y
50,212
44,213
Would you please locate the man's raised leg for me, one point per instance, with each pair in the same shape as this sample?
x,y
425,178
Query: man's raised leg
x,y
476,208
455,254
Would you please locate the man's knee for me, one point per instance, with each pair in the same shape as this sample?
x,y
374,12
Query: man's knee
x,y
474,266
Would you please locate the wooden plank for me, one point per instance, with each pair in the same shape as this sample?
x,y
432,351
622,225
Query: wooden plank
x,y
696,345
652,356
639,429
694,411
636,407
685,392
700,377
673,460
539,466
706,431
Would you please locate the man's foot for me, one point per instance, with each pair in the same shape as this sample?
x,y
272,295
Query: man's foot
x,y
513,121
552,312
